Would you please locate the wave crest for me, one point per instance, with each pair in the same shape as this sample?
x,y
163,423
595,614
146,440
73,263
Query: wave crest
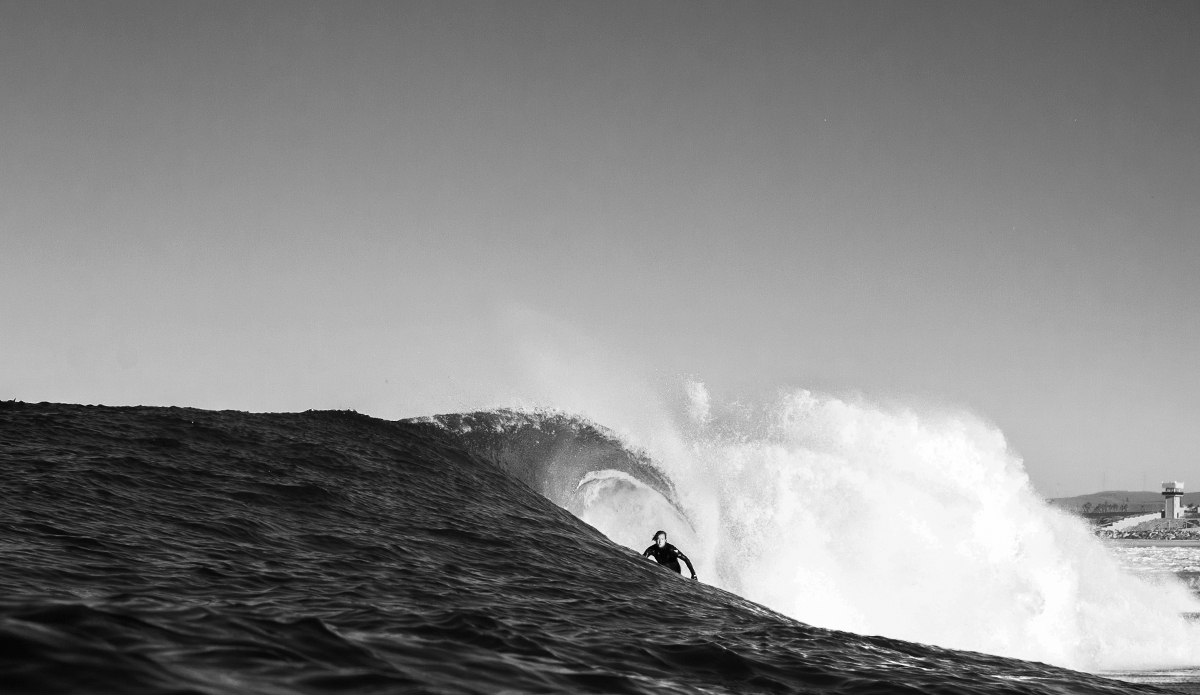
x,y
852,516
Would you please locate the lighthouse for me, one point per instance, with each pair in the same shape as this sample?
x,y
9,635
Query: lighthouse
x,y
1173,505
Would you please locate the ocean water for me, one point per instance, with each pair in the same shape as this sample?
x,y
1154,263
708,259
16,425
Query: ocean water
x,y
168,550
1151,560
858,517
1168,565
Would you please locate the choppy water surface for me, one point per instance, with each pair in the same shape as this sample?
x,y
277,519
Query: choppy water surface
x,y
156,550
1162,565
1157,559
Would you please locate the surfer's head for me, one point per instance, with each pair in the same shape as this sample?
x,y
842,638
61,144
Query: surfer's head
x,y
660,538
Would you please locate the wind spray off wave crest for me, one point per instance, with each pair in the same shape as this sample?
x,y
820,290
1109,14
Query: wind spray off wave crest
x,y
920,527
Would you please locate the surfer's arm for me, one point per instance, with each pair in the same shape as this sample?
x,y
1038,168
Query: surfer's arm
x,y
687,562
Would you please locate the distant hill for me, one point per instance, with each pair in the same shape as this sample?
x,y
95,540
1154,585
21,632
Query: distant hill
x,y
1138,500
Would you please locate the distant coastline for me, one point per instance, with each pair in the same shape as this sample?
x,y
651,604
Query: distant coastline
x,y
1114,500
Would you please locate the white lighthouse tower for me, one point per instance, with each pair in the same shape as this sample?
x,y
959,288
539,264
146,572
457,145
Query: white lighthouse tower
x,y
1173,505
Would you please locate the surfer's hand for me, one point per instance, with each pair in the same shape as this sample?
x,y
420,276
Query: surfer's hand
x,y
693,576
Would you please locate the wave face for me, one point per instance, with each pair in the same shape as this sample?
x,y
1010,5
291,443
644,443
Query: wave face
x,y
577,464
156,550
551,452
876,521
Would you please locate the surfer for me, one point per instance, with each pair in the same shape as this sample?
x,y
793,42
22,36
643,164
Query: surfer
x,y
668,555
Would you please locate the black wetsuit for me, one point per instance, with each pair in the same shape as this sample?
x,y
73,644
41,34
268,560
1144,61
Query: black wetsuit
x,y
669,556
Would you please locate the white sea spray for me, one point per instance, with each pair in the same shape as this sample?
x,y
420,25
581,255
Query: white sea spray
x,y
919,526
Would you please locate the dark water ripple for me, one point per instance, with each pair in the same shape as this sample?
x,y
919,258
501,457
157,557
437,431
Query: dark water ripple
x,y
166,550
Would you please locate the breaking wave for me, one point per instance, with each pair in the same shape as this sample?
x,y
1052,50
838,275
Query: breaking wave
x,y
171,550
853,516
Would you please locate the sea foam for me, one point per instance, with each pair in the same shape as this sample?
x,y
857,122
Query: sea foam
x,y
889,521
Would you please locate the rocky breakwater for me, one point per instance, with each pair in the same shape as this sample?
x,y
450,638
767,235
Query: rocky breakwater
x,y
1157,530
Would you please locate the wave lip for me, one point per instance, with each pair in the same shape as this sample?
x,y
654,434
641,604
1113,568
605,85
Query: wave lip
x,y
548,450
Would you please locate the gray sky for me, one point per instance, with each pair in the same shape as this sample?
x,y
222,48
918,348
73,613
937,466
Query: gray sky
x,y
287,206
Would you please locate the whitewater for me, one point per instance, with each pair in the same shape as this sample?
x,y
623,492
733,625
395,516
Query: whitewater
x,y
885,520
